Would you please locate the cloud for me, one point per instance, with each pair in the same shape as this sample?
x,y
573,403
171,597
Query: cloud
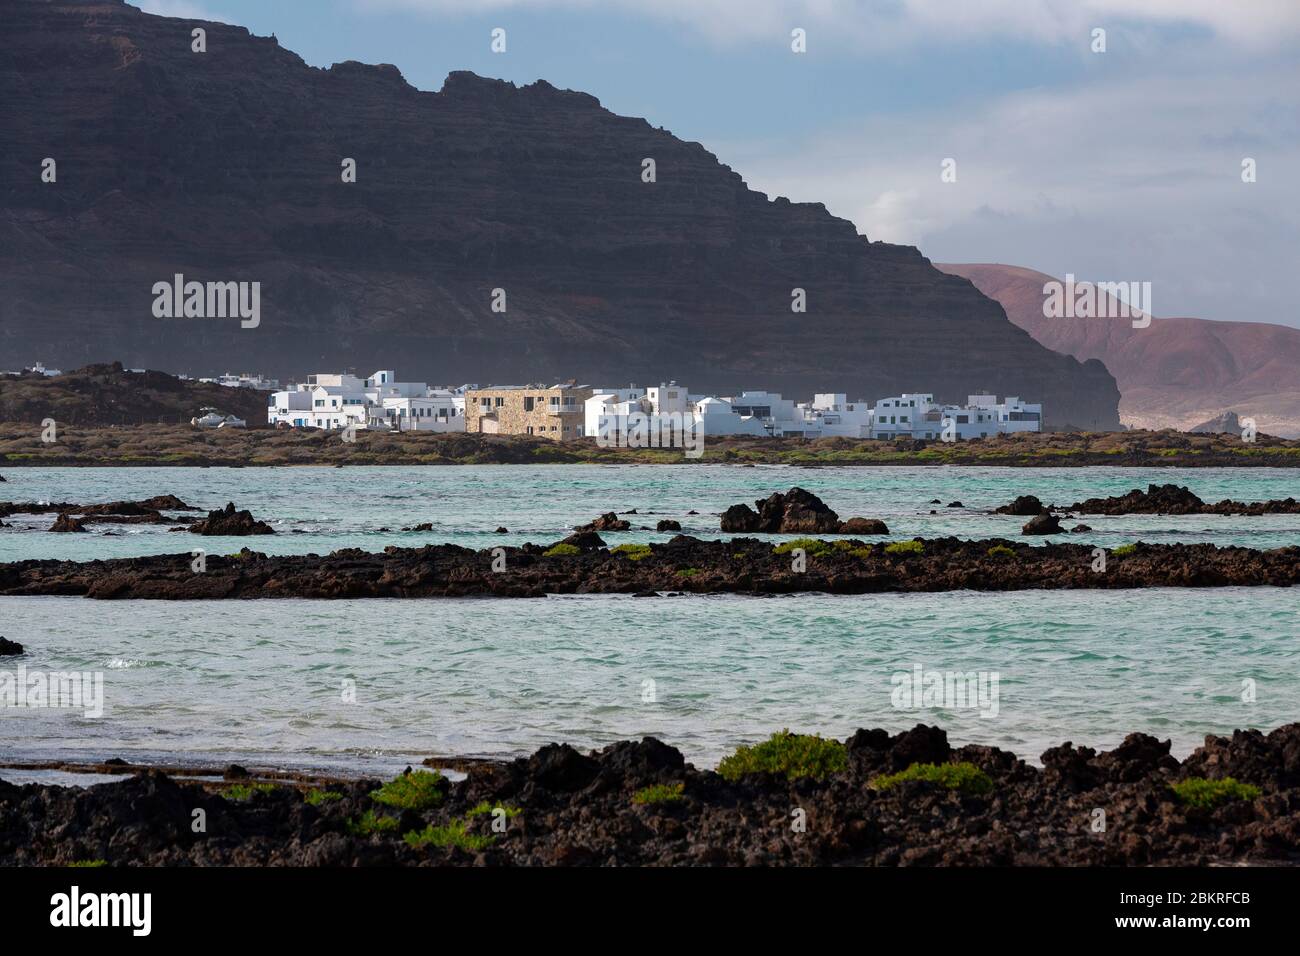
x,y
1128,179
877,24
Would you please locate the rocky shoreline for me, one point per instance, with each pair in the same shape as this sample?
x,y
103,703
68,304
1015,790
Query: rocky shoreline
x,y
186,446
910,799
583,565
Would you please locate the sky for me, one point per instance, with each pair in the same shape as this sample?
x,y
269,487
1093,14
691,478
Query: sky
x,y
1122,166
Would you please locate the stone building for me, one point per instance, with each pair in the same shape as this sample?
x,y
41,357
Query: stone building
x,y
556,412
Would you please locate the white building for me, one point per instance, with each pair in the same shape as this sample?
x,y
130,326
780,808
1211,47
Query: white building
x,y
244,380
832,414
438,410
917,415
337,400
717,417
615,412
39,369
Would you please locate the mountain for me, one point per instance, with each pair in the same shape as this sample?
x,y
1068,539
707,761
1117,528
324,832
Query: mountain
x,y
108,394
1176,373
225,166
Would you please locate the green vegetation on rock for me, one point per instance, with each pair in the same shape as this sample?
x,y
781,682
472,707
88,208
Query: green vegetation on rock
x,y
1206,794
965,777
418,790
792,755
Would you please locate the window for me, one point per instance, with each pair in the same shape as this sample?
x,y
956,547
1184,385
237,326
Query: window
x,y
500,401
528,403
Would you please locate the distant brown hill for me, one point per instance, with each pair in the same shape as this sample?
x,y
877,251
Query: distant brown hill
x,y
110,395
1178,372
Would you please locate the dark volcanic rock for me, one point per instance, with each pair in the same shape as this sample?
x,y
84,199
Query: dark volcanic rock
x,y
228,521
609,521
1042,523
795,512
9,648
741,519
668,524
1176,500
738,565
863,526
482,184
1025,506
586,540
66,522
572,808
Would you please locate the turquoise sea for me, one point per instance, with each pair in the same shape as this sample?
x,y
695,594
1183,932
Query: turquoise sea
x,y
264,682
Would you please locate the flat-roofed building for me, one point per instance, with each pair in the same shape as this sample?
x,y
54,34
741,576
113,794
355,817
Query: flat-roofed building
x,y
555,412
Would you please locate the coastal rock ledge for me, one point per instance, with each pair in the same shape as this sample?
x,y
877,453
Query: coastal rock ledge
x,y
584,565
636,803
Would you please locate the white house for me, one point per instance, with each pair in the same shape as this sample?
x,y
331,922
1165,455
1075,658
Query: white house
x,y
437,411
717,417
337,400
917,415
832,414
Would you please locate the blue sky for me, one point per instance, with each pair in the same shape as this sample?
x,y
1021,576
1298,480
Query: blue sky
x,y
1115,166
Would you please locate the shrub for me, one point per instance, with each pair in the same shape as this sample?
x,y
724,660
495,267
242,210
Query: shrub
x,y
659,793
965,777
812,546
1001,551
485,807
88,864
904,547
412,791
453,834
794,755
1207,794
562,549
318,797
634,552
688,572
1124,549
245,791
371,822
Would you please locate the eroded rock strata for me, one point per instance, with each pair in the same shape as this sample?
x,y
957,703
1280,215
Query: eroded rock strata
x,y
739,565
562,807
226,167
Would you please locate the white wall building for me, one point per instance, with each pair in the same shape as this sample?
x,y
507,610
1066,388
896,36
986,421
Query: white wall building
x,y
337,400
832,414
917,415
244,380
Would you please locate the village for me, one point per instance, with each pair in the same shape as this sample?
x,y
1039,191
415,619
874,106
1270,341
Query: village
x,y
615,415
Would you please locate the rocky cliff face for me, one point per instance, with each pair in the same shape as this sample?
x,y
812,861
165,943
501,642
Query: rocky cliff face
x,y
225,166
